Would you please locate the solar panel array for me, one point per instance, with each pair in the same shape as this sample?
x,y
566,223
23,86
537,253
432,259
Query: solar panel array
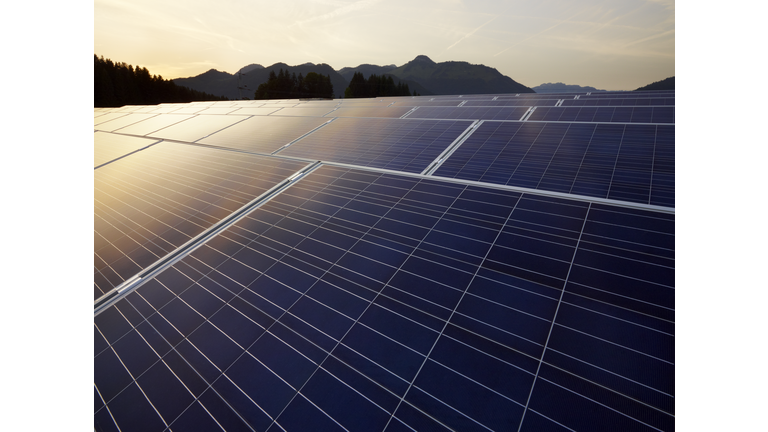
x,y
390,264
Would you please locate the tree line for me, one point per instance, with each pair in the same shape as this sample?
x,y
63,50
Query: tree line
x,y
117,84
375,86
285,85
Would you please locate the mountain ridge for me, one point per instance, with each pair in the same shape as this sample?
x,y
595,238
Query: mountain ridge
x,y
422,75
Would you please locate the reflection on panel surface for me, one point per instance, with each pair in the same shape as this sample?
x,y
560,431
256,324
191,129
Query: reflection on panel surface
x,y
107,147
122,121
363,111
153,124
197,127
403,145
263,134
626,162
148,204
377,302
470,113
622,114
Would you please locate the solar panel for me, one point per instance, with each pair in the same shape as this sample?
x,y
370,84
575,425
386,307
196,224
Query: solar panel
x,y
512,102
122,121
301,111
263,134
263,110
151,202
108,147
197,127
403,145
605,114
146,127
384,111
600,160
470,113
274,323
427,274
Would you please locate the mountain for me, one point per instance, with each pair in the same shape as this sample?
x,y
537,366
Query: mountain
x,y
665,84
226,84
457,77
563,88
250,67
366,69
421,74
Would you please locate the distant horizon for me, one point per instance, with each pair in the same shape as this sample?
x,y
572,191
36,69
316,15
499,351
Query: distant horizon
x,y
609,45
358,65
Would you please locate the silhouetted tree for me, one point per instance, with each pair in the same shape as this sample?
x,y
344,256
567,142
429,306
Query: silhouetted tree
x,y
118,84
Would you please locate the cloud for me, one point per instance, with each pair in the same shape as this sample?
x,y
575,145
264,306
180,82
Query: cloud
x,y
469,34
362,4
539,33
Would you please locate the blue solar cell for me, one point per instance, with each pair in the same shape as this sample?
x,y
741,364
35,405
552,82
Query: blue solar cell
x,y
351,290
166,393
132,411
195,417
566,407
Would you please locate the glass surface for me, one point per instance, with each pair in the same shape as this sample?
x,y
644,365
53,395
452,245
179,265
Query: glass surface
x,y
123,121
150,203
107,147
601,160
403,145
384,111
263,134
470,113
153,124
197,127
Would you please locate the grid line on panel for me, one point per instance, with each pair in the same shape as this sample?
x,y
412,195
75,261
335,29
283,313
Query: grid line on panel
x,y
653,164
617,318
444,403
616,344
268,330
609,372
606,406
554,153
626,297
554,317
615,163
553,421
368,306
180,251
447,321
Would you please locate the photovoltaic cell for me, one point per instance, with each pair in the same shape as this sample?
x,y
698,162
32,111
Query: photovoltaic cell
x,y
367,301
396,144
107,147
148,204
600,160
263,134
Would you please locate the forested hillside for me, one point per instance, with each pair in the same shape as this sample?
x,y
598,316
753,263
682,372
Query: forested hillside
x,y
285,85
117,84
375,86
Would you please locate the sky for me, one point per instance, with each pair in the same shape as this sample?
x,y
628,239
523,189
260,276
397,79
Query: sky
x,y
607,44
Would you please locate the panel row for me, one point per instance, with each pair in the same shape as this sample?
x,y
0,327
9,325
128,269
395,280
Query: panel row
x,y
362,301
633,163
